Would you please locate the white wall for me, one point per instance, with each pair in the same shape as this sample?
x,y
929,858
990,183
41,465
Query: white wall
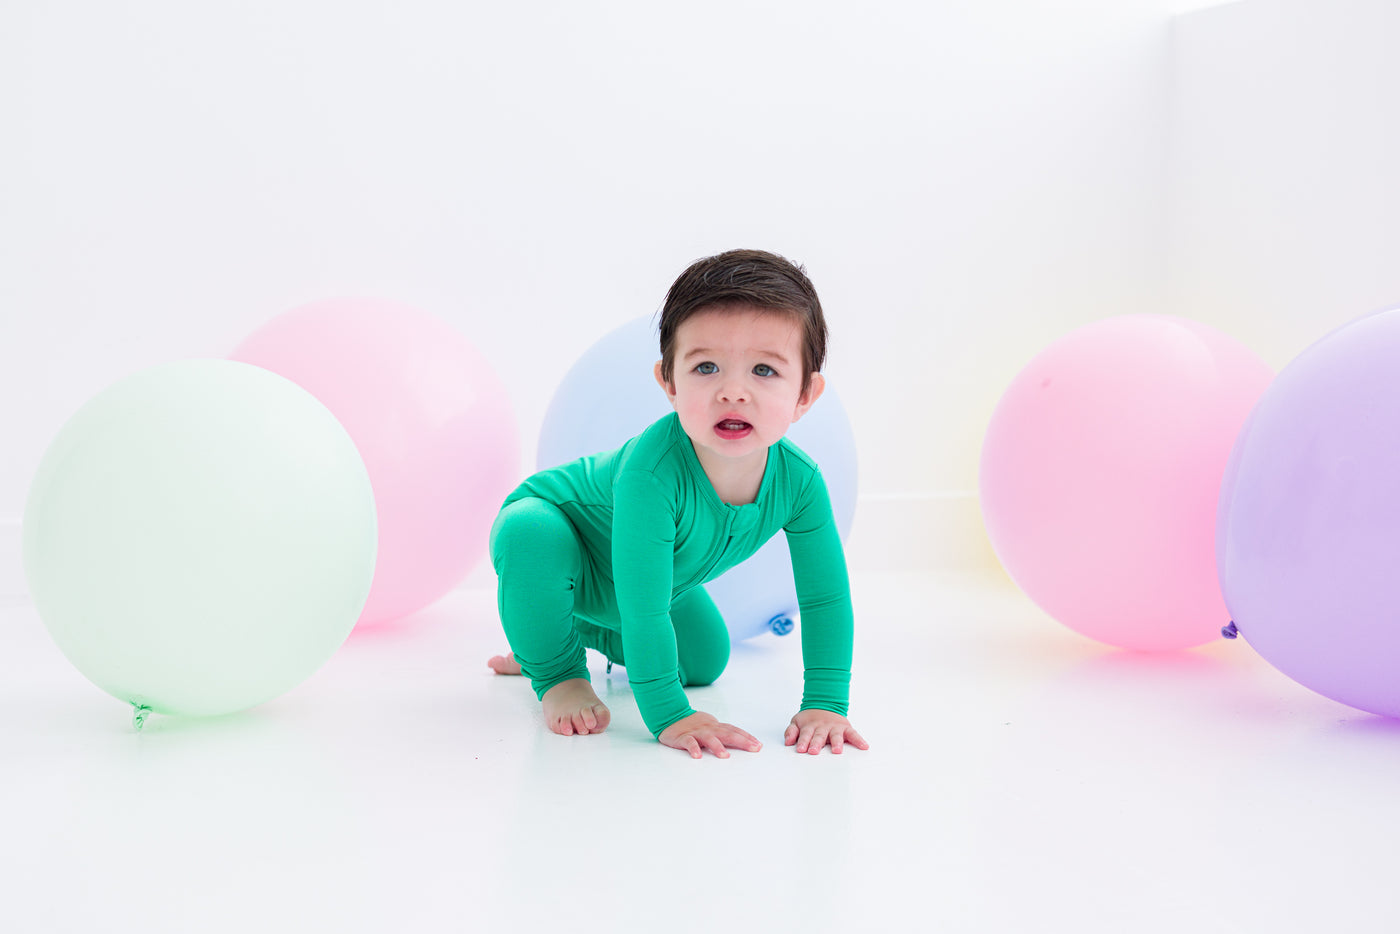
x,y
1285,188
965,181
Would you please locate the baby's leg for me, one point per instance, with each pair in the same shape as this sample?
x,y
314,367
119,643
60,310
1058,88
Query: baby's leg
x,y
702,639
537,558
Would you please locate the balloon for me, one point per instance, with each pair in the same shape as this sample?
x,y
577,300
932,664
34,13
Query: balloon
x,y
432,421
1308,516
610,395
1100,473
200,537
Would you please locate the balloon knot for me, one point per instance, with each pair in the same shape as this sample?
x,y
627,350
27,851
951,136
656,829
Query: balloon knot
x,y
780,625
139,713
1230,631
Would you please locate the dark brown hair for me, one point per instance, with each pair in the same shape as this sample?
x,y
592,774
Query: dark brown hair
x,y
745,277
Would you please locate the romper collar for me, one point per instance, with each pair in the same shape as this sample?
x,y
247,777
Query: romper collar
x,y
741,518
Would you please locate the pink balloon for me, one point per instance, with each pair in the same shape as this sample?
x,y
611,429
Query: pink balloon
x,y
1101,472
432,421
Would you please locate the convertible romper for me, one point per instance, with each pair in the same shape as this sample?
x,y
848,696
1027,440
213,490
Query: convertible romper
x,y
610,551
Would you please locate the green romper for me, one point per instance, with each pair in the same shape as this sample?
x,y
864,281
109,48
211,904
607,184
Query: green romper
x,y
610,552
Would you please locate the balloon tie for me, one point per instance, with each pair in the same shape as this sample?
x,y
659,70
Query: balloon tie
x,y
139,713
780,625
1231,631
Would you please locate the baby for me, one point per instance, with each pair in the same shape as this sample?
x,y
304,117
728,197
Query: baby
x,y
609,552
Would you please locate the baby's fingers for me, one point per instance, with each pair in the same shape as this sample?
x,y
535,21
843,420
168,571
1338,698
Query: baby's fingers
x,y
740,739
790,734
716,746
855,739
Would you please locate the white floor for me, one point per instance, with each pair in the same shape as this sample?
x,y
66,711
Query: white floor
x,y
1020,778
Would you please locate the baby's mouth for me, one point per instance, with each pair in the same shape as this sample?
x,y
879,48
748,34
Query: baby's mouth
x,y
733,424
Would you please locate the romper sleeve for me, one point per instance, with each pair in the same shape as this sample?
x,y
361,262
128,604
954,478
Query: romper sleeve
x,y
643,552
823,599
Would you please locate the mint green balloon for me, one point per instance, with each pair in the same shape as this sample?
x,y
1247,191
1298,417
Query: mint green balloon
x,y
200,537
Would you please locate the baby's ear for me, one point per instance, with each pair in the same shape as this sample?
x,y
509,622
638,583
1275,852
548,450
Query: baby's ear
x,y
814,392
661,381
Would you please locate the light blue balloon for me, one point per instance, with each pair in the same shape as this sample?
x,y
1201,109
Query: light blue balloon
x,y
610,395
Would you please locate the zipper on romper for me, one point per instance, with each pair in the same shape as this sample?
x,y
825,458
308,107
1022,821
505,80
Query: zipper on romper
x,y
729,540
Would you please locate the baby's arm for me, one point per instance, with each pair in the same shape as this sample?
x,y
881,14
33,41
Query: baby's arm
x,y
644,534
824,601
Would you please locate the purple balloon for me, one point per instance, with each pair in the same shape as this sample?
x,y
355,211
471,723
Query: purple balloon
x,y
1308,532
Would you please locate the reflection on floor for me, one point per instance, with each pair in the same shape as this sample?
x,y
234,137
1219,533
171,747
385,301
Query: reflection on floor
x,y
1020,778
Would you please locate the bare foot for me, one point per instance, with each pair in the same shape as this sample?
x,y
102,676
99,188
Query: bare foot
x,y
572,707
504,664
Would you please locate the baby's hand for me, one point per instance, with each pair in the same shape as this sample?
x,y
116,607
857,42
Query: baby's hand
x,y
701,731
813,729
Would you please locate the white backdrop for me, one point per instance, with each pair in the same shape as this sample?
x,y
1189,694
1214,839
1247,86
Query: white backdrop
x,y
1285,191
964,182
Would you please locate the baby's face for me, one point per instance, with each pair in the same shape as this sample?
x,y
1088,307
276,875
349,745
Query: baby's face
x,y
738,381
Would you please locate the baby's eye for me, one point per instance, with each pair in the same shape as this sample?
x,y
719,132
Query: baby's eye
x,y
764,369
707,368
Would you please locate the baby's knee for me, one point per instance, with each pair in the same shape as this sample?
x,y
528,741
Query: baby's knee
x,y
698,672
533,534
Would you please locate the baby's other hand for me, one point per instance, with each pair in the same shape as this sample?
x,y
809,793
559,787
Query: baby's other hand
x,y
813,729
700,731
